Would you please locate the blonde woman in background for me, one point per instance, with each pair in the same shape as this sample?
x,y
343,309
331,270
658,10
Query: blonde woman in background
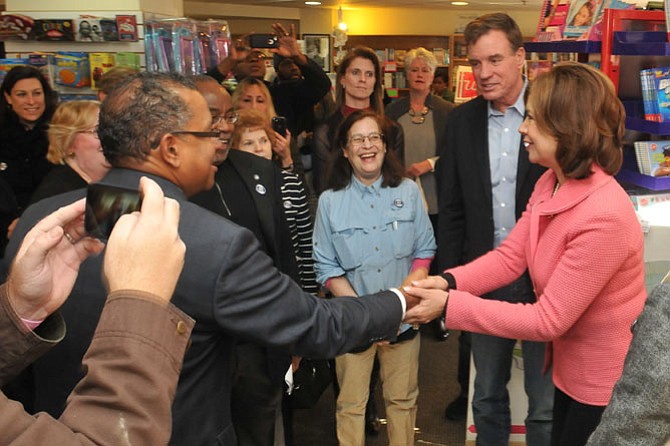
x,y
253,93
75,149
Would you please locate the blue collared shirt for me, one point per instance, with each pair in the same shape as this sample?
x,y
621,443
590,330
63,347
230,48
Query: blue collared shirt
x,y
504,142
371,234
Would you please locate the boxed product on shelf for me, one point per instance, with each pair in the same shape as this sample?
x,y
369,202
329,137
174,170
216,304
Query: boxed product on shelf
x,y
214,42
45,63
171,45
99,64
127,59
653,157
72,69
110,30
8,64
15,25
127,28
87,29
53,29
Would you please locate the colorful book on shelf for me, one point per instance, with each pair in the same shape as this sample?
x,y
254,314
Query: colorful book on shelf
x,y
653,157
100,63
552,20
661,80
466,86
649,96
581,16
536,67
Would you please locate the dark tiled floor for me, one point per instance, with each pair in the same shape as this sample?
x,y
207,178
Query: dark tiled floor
x,y
437,386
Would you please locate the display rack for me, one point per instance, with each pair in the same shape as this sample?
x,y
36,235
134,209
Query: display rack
x,y
622,37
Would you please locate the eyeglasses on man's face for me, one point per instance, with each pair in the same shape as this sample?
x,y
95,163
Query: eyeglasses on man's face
x,y
358,140
213,134
228,118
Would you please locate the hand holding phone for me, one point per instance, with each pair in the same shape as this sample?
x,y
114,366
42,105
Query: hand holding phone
x,y
279,125
105,205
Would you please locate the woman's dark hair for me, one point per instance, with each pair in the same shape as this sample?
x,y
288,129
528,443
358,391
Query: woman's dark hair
x,y
377,96
17,74
339,175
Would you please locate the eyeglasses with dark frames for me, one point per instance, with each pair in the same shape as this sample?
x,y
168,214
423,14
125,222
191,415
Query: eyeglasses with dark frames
x,y
213,134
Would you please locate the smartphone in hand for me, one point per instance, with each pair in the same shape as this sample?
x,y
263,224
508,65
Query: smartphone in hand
x,y
105,205
263,41
279,125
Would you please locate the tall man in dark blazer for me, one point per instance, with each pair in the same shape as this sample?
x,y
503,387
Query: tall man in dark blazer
x,y
247,191
158,125
484,182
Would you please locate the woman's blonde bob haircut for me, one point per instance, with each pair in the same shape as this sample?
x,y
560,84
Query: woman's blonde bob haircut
x,y
579,106
69,119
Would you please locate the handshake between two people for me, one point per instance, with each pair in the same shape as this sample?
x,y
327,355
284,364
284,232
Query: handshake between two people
x,y
426,299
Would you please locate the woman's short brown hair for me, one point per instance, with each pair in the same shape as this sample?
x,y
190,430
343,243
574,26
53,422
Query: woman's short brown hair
x,y
579,106
248,120
69,119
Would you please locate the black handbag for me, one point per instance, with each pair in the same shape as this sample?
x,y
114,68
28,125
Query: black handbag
x,y
310,381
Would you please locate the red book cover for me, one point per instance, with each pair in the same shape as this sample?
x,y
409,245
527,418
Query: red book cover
x,y
127,28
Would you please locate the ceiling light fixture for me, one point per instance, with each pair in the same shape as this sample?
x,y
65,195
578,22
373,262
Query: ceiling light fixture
x,y
460,3
313,3
340,20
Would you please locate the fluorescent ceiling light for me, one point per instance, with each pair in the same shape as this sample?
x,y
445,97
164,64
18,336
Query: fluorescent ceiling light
x,y
460,3
313,3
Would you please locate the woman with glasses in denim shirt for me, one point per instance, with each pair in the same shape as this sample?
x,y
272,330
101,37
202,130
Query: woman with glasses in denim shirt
x,y
372,232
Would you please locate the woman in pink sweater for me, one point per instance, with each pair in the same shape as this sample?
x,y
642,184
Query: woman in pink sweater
x,y
581,242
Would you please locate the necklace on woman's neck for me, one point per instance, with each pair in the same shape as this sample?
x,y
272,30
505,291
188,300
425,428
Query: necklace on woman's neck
x,y
418,117
558,185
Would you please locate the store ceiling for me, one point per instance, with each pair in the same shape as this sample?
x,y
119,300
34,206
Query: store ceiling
x,y
500,5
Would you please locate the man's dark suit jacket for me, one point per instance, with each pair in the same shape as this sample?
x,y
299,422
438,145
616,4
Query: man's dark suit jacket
x,y
267,201
232,290
464,187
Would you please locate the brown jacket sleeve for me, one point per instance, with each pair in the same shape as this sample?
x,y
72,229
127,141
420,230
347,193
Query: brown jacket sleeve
x,y
132,367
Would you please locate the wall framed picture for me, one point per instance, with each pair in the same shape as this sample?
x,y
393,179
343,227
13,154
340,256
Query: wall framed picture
x,y
317,48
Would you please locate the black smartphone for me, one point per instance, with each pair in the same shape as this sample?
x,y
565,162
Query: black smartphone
x,y
105,205
263,41
279,125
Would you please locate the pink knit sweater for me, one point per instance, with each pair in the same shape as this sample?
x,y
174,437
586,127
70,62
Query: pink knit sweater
x,y
584,249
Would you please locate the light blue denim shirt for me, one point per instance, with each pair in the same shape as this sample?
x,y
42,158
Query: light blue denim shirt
x,y
504,143
371,234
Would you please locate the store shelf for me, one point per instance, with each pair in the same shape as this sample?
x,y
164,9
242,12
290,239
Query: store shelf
x,y
635,120
648,43
563,46
630,173
654,183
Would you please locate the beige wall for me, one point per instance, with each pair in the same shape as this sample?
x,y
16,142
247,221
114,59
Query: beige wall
x,y
392,21
174,8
